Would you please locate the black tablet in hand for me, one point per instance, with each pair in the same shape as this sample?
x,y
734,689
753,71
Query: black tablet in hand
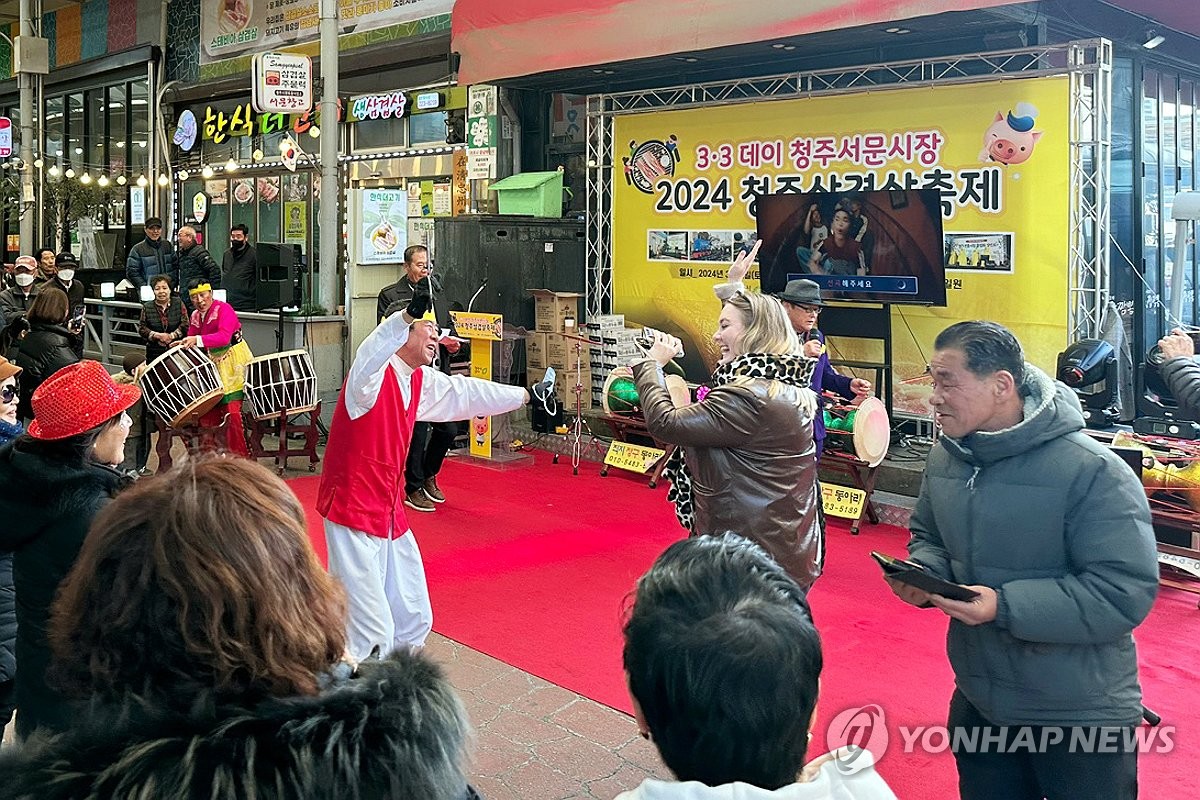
x,y
914,574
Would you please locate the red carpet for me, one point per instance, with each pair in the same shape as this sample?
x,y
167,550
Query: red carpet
x,y
532,566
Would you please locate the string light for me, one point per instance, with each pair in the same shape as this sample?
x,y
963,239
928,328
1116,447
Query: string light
x,y
183,174
102,181
142,182
122,180
314,132
163,180
37,162
54,171
70,173
231,166
207,172
258,154
85,178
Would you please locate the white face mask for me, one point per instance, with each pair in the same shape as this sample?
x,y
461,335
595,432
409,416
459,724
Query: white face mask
x,y
23,279
66,275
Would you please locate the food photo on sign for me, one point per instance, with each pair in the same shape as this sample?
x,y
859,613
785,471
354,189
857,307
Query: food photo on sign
x,y
384,225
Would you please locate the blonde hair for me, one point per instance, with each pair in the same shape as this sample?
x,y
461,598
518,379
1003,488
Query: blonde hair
x,y
768,329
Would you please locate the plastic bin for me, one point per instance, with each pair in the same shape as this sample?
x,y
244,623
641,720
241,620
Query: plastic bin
x,y
537,194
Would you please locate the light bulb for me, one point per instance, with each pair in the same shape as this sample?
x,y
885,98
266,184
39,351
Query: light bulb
x,y
207,172
231,166
37,162
141,181
85,178
102,180
163,180
183,174
122,180
258,154
70,173
54,171
314,132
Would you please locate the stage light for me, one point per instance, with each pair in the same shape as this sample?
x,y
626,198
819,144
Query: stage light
x,y
1089,367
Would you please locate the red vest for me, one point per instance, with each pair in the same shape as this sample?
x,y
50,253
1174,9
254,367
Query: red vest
x,y
362,480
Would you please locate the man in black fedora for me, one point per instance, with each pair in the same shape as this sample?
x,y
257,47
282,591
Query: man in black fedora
x,y
802,301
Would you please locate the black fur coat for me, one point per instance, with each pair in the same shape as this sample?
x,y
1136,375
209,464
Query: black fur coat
x,y
395,729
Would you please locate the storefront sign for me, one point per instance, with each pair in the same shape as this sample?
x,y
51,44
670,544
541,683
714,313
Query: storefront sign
x,y
200,207
633,457
295,224
5,137
281,83
137,205
384,226
230,29
390,105
686,186
242,121
427,101
185,131
481,132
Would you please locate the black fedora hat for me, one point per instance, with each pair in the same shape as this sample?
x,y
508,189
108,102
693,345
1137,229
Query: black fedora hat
x,y
801,292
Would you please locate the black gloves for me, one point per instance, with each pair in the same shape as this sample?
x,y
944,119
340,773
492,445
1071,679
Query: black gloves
x,y
422,300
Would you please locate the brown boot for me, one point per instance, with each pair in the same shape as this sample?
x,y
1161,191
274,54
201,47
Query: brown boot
x,y
433,492
419,501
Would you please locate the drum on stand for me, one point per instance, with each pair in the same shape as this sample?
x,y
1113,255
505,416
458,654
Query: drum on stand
x,y
181,384
620,396
281,382
863,430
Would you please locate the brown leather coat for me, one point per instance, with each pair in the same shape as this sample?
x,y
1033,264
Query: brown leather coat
x,y
752,461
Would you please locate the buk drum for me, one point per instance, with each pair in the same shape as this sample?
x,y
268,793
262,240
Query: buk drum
x,y
181,384
620,396
864,430
281,382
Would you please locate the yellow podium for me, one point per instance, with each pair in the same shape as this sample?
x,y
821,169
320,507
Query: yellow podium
x,y
481,330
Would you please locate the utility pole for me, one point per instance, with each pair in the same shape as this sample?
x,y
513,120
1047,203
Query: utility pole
x,y
331,196
25,81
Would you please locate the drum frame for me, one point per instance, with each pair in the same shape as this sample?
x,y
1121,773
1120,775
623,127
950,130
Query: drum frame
x,y
251,389
197,407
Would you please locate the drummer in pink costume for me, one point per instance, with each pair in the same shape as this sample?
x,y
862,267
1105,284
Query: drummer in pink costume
x,y
215,326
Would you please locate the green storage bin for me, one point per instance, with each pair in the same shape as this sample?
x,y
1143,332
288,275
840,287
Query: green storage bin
x,y
537,194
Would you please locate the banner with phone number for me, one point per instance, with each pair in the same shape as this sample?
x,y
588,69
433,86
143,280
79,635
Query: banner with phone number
x,y
686,183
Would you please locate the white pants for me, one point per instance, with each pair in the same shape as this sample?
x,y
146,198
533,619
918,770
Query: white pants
x,y
385,586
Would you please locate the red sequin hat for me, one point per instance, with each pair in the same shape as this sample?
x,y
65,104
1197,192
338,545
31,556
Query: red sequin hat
x,y
76,399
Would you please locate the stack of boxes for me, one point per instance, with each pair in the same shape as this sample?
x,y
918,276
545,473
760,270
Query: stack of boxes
x,y
551,345
612,345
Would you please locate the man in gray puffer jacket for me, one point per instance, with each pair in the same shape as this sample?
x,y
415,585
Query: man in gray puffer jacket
x,y
1053,530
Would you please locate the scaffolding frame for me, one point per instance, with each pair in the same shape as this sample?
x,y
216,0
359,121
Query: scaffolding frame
x,y
1087,63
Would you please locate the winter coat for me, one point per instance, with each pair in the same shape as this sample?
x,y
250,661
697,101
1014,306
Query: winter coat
x,y
47,506
239,276
389,732
75,292
147,259
1182,376
195,263
8,595
15,303
151,321
44,351
1060,527
752,461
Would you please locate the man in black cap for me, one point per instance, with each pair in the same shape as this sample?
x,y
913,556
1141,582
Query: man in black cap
x,y
65,265
802,301
151,256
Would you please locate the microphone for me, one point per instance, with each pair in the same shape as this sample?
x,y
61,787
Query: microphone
x,y
471,302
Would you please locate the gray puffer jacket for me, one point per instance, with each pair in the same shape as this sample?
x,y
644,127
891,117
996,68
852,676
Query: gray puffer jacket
x,y
1060,527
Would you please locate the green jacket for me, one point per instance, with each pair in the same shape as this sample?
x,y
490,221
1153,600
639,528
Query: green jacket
x,y
1060,527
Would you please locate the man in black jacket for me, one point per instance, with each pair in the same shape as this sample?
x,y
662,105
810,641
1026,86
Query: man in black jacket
x,y
195,264
239,270
151,256
16,300
430,440
63,277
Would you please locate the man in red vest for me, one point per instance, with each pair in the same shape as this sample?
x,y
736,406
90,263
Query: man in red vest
x,y
371,548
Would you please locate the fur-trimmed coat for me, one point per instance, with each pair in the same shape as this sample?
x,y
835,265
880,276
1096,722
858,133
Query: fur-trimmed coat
x,y
394,729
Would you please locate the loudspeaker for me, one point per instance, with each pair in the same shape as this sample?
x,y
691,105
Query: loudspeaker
x,y
276,284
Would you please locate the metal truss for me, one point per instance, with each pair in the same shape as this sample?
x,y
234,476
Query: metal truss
x,y
1088,63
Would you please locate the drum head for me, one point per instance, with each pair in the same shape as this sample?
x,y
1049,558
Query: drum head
x,y
620,397
872,431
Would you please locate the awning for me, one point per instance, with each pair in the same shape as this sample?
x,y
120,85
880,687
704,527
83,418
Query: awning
x,y
498,39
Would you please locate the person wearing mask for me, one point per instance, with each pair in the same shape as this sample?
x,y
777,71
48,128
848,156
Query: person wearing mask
x,y
239,270
151,256
163,319
48,347
16,300
53,481
196,265
10,429
217,668
65,266
45,259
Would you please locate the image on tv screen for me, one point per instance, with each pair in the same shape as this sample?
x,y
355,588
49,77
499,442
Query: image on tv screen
x,y
877,247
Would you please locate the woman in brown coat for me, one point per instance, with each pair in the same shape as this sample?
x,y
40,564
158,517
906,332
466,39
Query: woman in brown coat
x,y
749,462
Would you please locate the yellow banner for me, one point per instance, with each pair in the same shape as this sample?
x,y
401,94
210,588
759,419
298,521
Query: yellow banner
x,y
481,367
632,457
842,501
686,184
471,325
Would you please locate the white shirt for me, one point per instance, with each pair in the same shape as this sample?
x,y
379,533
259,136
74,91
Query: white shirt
x,y
444,398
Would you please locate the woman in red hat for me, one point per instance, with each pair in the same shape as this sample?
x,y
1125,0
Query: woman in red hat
x,y
53,481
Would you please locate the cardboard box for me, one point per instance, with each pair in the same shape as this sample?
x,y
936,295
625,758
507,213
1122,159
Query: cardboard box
x,y
607,321
535,350
552,310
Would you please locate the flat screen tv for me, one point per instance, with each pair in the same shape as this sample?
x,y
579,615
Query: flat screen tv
x,y
877,247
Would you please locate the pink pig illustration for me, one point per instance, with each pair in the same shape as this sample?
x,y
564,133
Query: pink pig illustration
x,y
1011,140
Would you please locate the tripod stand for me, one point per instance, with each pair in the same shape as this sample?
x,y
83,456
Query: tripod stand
x,y
580,424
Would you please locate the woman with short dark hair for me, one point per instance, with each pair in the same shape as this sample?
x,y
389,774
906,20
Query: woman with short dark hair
x,y
48,346
208,639
163,319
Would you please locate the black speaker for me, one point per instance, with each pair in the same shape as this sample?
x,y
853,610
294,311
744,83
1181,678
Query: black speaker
x,y
276,284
